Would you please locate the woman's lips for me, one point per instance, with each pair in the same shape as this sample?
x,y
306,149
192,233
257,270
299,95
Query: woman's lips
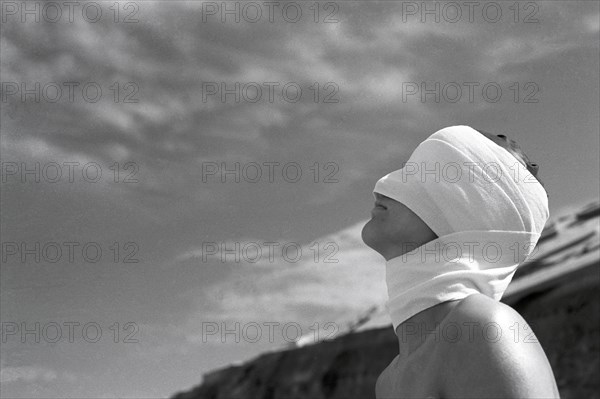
x,y
378,209
380,205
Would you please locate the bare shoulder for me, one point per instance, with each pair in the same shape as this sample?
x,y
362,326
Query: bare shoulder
x,y
480,308
482,326
491,351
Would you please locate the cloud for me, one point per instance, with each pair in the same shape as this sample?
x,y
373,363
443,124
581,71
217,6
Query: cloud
x,y
304,292
28,374
592,22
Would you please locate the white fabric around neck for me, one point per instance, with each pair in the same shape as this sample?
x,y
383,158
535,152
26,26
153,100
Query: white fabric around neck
x,y
454,267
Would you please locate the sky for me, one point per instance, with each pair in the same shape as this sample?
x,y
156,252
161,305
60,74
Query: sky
x,y
148,145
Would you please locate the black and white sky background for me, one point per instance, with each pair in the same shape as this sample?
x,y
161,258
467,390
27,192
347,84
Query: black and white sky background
x,y
169,56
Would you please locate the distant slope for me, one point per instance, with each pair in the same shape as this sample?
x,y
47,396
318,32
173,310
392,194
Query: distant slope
x,y
557,291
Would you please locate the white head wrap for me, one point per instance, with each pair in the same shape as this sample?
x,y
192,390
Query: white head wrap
x,y
486,208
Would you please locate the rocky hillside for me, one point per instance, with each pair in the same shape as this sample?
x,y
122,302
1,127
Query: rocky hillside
x,y
557,292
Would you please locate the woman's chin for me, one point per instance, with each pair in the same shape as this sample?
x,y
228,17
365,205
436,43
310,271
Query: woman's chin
x,y
367,234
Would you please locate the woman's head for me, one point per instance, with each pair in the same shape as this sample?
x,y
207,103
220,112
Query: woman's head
x,y
458,179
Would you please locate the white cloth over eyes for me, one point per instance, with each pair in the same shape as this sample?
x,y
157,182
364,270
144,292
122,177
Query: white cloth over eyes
x,y
484,205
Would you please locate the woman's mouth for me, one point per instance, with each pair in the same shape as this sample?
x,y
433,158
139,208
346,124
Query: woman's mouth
x,y
379,208
379,205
